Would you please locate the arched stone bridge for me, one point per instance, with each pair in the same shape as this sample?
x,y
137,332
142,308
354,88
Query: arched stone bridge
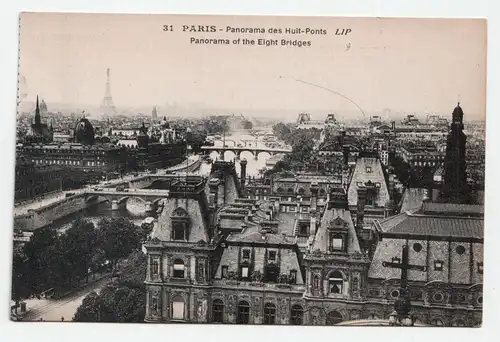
x,y
151,198
237,150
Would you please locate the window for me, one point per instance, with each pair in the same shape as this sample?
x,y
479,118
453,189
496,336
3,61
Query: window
x,y
269,313
246,254
480,267
304,228
201,270
368,169
417,247
272,255
178,268
297,315
178,307
179,231
333,317
335,282
244,272
336,242
243,312
460,250
217,311
438,297
395,294
438,265
293,276
224,272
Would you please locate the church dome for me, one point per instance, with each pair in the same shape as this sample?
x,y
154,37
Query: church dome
x,y
84,132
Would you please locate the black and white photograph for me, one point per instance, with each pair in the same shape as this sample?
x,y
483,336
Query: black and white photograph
x,y
249,170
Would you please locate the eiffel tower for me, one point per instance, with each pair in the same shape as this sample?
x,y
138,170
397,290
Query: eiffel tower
x,y
107,106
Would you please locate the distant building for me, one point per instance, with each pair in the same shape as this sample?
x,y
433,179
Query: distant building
x,y
154,114
39,132
33,180
410,120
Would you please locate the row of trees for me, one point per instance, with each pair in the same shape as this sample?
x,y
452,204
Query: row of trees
x,y
61,261
302,156
121,300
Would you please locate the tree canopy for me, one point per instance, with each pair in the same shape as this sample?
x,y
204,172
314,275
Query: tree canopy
x,y
61,261
122,300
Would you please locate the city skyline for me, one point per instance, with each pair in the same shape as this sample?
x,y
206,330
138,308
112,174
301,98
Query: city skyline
x,y
447,66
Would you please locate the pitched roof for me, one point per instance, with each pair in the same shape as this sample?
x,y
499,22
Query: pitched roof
x,y
445,226
452,208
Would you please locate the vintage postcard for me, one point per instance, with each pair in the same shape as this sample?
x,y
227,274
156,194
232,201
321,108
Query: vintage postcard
x,y
276,170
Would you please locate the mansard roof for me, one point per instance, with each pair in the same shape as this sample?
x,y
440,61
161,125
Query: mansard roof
x,y
262,238
368,169
336,217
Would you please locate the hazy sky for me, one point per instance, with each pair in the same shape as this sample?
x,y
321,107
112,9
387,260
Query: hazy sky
x,y
402,64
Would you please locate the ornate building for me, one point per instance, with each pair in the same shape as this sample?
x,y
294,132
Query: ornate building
x,y
447,239
217,257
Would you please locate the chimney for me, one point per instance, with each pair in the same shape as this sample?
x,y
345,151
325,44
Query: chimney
x,y
312,226
428,194
342,138
314,197
345,153
213,186
361,206
271,210
243,173
298,206
388,209
391,186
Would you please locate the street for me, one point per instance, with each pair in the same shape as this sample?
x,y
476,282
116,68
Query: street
x,y
53,309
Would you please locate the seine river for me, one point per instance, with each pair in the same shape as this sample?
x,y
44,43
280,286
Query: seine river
x,y
135,209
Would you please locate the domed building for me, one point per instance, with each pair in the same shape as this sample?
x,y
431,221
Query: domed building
x,y
84,132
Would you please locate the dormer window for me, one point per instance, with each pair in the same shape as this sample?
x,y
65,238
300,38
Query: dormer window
x,y
246,254
336,242
480,267
304,229
179,231
368,169
438,265
396,260
180,224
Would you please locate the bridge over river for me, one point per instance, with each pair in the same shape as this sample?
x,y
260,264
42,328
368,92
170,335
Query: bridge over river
x,y
255,151
118,198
